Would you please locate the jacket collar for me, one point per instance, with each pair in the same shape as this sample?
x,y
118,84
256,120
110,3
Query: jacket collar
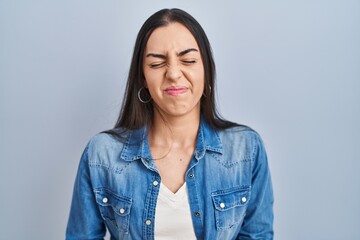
x,y
137,145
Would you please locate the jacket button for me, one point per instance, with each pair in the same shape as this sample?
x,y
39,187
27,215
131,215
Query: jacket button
x,y
155,183
105,200
191,175
122,211
243,199
148,222
197,214
222,205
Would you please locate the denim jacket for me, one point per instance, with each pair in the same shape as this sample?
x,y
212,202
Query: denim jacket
x,y
228,180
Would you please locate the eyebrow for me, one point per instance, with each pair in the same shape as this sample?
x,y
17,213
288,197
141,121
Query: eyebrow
x,y
187,51
182,53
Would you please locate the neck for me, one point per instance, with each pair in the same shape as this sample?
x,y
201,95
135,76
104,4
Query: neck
x,y
177,131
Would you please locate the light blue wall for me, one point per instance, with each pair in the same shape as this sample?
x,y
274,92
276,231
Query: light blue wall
x,y
289,69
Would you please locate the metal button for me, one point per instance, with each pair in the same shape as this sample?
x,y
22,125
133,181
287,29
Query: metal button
x,y
122,210
222,205
197,214
243,199
155,183
191,175
148,222
105,200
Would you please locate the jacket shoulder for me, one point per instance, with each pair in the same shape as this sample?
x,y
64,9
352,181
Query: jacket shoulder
x,y
240,132
240,141
102,141
103,149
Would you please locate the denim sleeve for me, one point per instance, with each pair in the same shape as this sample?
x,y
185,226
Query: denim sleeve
x,y
258,222
85,220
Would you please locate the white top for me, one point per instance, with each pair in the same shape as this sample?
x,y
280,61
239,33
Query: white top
x,y
173,215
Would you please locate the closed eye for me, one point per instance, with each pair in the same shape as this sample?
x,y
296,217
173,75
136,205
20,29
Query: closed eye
x,y
157,65
188,62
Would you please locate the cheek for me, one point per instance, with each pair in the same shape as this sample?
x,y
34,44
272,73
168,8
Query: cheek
x,y
197,77
152,78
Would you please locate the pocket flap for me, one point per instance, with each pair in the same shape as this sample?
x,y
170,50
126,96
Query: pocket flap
x,y
120,204
230,198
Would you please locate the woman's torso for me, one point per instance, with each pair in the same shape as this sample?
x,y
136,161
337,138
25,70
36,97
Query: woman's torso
x,y
126,182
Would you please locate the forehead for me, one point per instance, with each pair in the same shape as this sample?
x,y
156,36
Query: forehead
x,y
173,36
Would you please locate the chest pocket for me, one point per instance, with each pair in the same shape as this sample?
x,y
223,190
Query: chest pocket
x,y
114,209
230,206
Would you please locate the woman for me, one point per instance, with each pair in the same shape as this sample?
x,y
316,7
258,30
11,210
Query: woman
x,y
172,168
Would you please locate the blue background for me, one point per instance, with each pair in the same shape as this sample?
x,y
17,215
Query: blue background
x,y
289,69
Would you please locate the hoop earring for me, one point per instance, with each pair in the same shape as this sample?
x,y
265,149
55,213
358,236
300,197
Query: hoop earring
x,y
139,96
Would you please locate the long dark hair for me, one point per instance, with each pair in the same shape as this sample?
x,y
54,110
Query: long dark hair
x,y
135,114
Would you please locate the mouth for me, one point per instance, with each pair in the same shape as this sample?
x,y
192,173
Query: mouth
x,y
175,91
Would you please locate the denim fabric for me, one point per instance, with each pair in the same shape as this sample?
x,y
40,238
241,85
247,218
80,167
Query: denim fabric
x,y
228,180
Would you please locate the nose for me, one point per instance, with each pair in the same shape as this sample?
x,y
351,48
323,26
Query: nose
x,y
173,72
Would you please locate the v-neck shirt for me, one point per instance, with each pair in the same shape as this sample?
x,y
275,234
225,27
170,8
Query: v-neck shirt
x,y
173,215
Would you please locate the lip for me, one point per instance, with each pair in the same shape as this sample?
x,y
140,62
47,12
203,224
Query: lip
x,y
175,91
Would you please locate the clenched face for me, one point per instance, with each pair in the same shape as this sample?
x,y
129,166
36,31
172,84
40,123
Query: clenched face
x,y
174,71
